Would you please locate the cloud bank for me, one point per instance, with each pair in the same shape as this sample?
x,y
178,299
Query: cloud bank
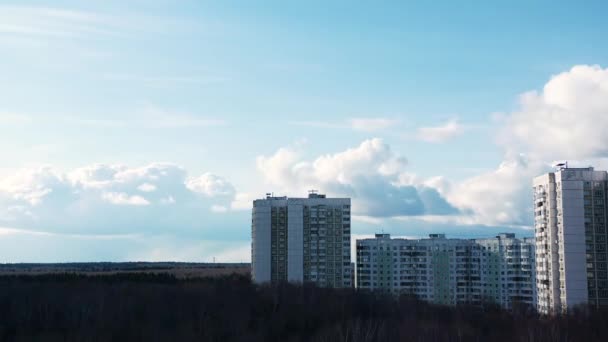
x,y
567,120
371,173
109,199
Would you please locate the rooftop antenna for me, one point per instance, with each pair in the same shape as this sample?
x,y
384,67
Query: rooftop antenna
x,y
562,165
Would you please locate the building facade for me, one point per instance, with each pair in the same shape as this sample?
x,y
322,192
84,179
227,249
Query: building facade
x,y
571,245
301,240
449,271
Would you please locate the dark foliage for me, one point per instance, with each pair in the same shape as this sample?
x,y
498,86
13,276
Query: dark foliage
x,y
143,307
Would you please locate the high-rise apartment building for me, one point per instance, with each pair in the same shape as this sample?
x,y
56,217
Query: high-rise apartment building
x,y
301,240
571,245
449,271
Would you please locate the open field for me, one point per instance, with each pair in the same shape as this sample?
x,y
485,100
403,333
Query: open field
x,y
180,270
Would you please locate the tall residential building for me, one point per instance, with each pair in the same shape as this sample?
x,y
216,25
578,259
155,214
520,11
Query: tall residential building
x,y
450,271
301,240
571,246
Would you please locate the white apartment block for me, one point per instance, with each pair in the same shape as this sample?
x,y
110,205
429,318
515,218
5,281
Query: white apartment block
x,y
570,228
301,240
450,271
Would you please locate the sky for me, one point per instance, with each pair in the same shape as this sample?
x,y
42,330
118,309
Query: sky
x,y
143,130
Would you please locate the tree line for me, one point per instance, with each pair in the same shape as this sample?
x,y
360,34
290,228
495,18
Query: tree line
x,y
148,307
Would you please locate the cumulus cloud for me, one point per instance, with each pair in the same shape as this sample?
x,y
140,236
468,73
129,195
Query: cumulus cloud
x,y
242,201
121,198
566,120
210,185
501,196
146,187
371,173
112,199
438,134
31,186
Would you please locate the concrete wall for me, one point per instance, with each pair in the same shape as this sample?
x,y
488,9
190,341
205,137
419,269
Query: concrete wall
x,y
295,242
260,242
572,240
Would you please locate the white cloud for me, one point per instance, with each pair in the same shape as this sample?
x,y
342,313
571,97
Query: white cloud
x,y
367,219
438,134
210,185
501,196
565,121
371,173
31,186
242,201
95,176
147,187
102,198
568,119
121,198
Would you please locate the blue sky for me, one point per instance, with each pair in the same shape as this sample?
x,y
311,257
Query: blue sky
x,y
143,129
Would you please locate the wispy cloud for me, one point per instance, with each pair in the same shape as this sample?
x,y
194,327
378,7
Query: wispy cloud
x,y
14,118
148,117
46,22
371,124
369,219
164,81
40,26
319,124
442,133
356,124
14,231
219,208
158,117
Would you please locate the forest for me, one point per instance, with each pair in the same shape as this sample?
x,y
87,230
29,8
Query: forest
x,y
149,307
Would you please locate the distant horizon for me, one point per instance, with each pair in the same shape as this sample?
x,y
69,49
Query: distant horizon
x,y
144,130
